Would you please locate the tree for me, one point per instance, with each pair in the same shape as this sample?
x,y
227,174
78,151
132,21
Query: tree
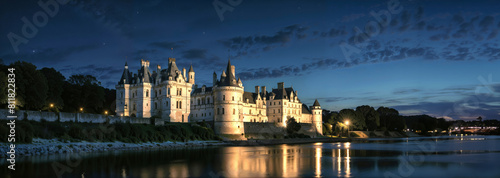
x,y
356,121
372,117
84,91
82,80
55,81
31,86
292,126
480,119
390,119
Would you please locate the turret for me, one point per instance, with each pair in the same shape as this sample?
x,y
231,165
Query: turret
x,y
191,75
228,118
317,115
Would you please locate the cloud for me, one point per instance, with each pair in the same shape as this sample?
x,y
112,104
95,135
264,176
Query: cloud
x,y
352,17
194,54
404,91
282,37
458,19
169,45
486,22
438,37
49,55
333,32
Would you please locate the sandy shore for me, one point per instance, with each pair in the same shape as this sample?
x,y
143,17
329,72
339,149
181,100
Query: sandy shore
x,y
53,146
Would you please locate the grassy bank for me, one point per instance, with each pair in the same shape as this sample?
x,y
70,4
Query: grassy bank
x,y
25,131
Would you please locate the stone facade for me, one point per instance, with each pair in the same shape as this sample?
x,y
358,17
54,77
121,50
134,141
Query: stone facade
x,y
173,96
162,93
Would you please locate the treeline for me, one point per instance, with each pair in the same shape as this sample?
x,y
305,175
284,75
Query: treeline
x,y
367,118
47,89
125,132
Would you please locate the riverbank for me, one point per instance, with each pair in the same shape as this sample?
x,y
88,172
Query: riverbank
x,y
54,146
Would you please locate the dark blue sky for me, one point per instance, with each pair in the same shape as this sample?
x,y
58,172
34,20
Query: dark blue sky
x,y
420,57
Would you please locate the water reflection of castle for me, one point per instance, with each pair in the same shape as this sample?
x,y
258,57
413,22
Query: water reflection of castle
x,y
285,161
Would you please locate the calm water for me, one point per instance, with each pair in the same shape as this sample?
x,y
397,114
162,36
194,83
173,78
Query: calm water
x,y
470,156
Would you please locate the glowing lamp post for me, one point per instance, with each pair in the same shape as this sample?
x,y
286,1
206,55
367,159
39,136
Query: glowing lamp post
x,y
106,112
51,105
81,110
347,124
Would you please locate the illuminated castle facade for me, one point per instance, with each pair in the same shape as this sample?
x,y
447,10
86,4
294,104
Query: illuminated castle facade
x,y
173,96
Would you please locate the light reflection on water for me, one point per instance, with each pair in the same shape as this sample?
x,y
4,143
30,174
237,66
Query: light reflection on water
x,y
415,157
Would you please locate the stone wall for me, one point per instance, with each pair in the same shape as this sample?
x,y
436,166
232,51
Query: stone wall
x,y
255,130
75,117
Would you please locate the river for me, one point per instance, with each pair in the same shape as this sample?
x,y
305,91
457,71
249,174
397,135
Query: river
x,y
446,156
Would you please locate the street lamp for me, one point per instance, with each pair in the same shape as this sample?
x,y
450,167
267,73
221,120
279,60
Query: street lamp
x,y
81,110
106,112
347,123
51,105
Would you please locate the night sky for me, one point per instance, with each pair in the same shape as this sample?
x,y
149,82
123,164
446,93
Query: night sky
x,y
420,57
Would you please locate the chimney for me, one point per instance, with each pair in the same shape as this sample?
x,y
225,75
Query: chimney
x,y
158,68
280,85
184,72
142,62
232,70
257,89
170,60
147,63
263,90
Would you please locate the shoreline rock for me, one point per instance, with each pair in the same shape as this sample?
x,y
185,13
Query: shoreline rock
x,y
53,146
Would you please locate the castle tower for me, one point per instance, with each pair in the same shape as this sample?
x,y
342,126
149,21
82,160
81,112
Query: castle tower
x,y
122,93
228,118
317,115
191,75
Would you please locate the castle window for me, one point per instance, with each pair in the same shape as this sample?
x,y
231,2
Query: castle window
x,y
279,103
223,97
156,105
274,111
198,101
121,95
134,107
160,91
147,93
168,91
234,111
222,110
278,110
166,103
208,100
233,98
180,104
218,111
274,103
260,112
209,113
156,93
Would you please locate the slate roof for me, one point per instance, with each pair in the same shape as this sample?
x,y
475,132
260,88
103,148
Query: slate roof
x,y
316,103
198,90
230,79
305,109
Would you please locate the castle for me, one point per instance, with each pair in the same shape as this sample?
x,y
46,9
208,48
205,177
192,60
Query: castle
x,y
174,96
